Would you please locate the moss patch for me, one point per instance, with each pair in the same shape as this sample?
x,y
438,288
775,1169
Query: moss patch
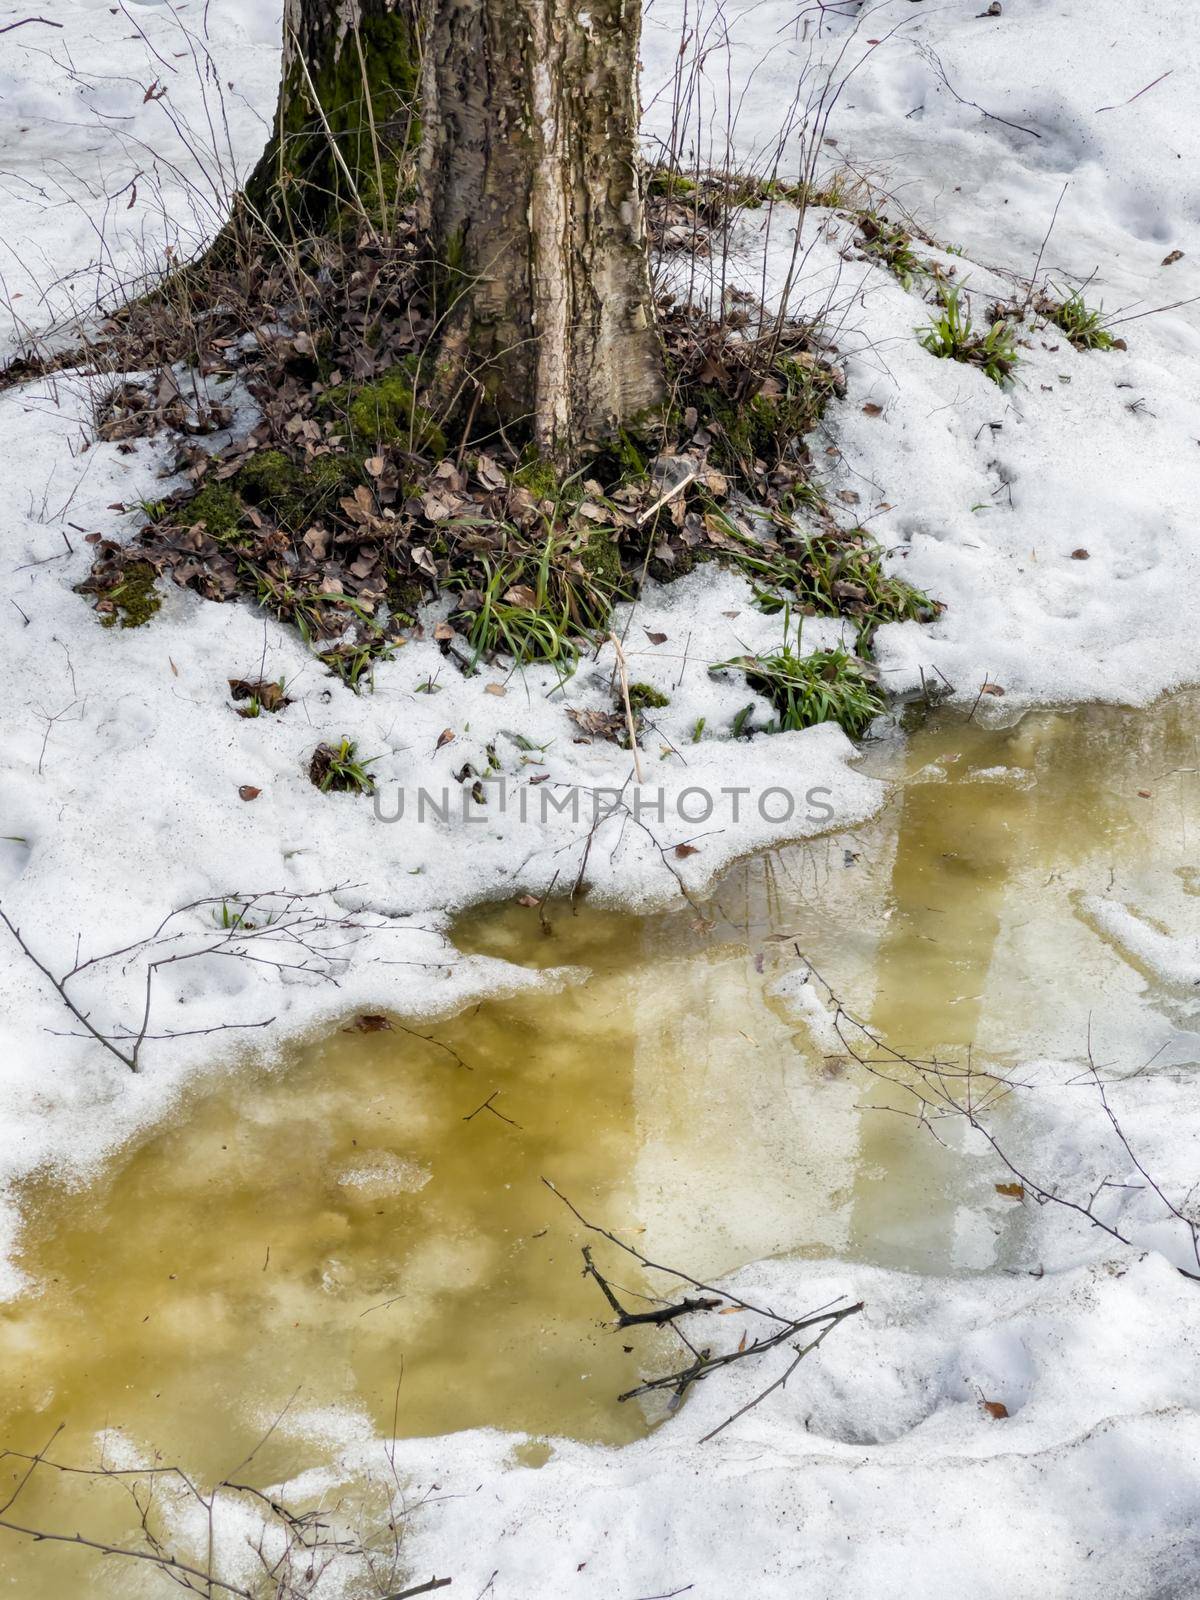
x,y
218,508
386,411
644,697
373,121
539,477
133,601
296,495
601,560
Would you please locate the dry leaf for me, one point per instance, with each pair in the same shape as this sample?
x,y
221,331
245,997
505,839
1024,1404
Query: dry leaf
x,y
372,1022
1080,555
1170,260
996,1409
488,473
495,688
991,688
872,410
528,901
248,792
683,851
373,465
655,638
1011,1191
445,737
598,724
1144,794
443,631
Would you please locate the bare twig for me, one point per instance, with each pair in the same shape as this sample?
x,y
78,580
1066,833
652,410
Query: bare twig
x,y
630,723
703,1362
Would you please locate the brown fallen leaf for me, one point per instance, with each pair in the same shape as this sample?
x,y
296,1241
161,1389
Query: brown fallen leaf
x,y
872,410
445,737
683,851
655,638
443,631
598,724
991,688
488,473
373,465
1011,1191
996,1409
248,792
495,688
1145,794
1170,260
1080,555
528,901
371,1022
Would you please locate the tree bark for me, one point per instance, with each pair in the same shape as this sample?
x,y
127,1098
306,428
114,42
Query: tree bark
x,y
526,116
532,184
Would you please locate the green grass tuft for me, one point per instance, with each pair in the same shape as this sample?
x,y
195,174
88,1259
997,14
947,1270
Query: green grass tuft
x,y
826,686
340,767
1082,326
951,337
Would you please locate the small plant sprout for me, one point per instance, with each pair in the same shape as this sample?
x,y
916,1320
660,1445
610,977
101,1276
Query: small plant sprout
x,y
1083,326
256,695
889,243
340,767
951,337
232,917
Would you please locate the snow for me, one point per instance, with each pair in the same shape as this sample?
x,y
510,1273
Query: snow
x,y
876,1471
1169,960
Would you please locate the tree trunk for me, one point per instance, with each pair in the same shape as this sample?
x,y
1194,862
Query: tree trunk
x,y
532,184
526,115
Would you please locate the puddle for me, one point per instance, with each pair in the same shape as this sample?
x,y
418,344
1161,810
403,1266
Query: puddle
x,y
352,1230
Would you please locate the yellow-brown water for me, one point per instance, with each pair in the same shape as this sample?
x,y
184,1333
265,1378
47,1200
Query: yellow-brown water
x,y
350,1230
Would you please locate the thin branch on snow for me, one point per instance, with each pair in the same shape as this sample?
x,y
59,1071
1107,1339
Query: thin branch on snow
x,y
278,930
943,1089
703,1362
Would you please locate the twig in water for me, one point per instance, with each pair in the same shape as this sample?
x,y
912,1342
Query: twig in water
x,y
488,1106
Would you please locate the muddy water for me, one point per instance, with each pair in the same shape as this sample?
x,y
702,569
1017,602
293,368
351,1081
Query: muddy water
x,y
364,1231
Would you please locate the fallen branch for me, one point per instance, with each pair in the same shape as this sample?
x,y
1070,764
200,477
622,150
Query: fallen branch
x,y
25,21
703,1362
